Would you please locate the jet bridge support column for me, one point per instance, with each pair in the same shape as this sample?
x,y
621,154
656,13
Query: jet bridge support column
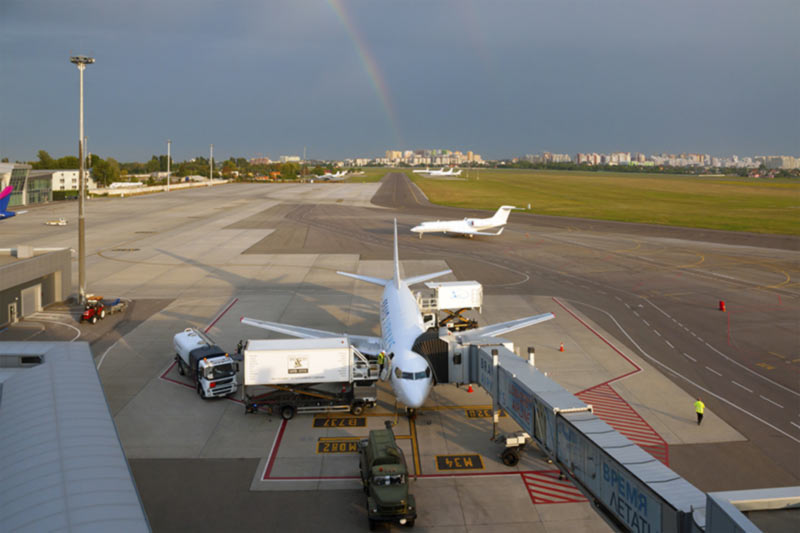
x,y
494,394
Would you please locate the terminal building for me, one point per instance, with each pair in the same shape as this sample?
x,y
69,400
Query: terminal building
x,y
31,279
28,190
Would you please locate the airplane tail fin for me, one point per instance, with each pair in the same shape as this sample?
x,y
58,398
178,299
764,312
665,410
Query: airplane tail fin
x,y
501,217
396,259
5,197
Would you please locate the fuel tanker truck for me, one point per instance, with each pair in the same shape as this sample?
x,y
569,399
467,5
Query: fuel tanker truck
x,y
211,369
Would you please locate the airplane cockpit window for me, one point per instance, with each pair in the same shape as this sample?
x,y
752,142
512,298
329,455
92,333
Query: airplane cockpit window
x,y
413,376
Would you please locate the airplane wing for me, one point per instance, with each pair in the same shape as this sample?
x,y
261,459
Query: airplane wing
x,y
363,343
482,233
503,327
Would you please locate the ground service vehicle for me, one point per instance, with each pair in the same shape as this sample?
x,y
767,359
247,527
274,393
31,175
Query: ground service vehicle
x,y
93,310
385,479
291,376
210,367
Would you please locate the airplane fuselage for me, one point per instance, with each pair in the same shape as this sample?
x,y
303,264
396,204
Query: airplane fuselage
x,y
456,226
401,324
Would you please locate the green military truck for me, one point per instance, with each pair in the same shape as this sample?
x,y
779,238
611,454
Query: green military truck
x,y
385,479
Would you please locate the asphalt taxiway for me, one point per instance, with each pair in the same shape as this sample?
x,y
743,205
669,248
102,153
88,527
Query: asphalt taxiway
x,y
636,311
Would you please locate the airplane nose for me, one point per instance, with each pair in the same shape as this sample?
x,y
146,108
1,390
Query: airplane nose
x,y
416,229
416,397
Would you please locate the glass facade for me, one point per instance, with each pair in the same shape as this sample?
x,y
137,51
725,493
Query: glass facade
x,y
18,178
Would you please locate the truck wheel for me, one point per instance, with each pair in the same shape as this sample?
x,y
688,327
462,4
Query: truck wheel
x,y
357,409
200,392
372,524
94,319
103,313
287,412
510,457
181,371
410,523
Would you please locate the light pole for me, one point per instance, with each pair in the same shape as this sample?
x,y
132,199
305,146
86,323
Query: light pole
x,y
169,145
211,166
81,62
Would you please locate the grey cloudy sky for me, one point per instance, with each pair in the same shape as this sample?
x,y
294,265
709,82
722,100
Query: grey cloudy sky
x,y
354,78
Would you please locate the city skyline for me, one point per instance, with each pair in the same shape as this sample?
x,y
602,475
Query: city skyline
x,y
351,77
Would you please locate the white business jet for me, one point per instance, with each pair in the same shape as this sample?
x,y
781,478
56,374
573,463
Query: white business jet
x,y
401,325
468,226
442,172
333,177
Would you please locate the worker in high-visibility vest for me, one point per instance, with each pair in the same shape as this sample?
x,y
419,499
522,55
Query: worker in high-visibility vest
x,y
381,359
699,406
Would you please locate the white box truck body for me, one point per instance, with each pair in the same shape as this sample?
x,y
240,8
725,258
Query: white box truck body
x,y
291,361
457,294
307,375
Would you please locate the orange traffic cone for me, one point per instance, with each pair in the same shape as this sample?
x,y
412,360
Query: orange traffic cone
x,y
469,389
561,349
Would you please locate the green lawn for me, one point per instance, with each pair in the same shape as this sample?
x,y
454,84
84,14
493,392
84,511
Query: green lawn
x,y
725,203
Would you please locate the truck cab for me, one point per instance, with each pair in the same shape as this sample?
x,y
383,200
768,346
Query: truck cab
x,y
211,368
385,479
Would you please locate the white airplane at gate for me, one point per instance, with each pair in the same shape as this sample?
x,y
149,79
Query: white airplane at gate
x,y
468,226
401,324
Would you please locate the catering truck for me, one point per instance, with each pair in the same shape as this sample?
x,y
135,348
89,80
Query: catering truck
x,y
210,367
289,376
450,299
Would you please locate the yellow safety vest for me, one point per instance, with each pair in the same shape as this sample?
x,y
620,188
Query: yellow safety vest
x,y
699,406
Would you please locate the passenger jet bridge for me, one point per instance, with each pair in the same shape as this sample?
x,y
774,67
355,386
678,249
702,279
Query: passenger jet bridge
x,y
630,488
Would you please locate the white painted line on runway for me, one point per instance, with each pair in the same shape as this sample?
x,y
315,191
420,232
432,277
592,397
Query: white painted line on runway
x,y
693,333
646,323
691,382
674,320
657,307
669,344
602,292
656,332
700,339
714,371
636,313
618,298
742,386
770,401
628,306
690,357
754,372
708,345
795,425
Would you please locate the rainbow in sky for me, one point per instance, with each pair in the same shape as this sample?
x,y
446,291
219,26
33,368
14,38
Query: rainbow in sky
x,y
370,64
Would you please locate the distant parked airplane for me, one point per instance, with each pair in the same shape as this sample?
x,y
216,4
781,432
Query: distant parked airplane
x,y
333,177
442,172
468,226
5,197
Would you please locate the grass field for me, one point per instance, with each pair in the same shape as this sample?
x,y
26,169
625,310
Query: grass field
x,y
725,203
